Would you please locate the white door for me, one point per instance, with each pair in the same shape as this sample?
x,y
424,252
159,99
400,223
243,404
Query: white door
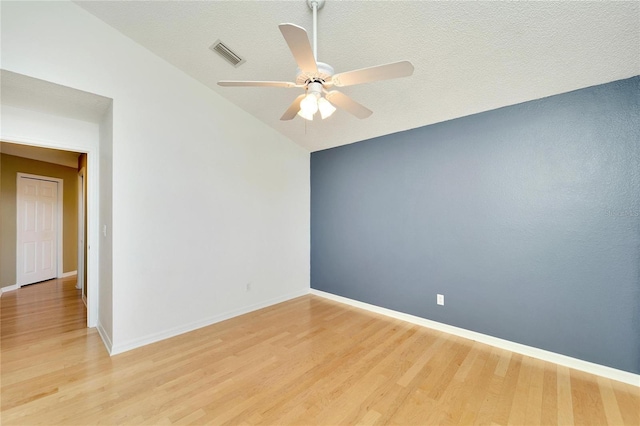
x,y
37,223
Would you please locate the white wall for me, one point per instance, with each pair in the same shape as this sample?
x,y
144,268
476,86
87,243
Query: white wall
x,y
17,124
205,197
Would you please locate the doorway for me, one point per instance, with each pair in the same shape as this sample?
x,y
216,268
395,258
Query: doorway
x,y
25,169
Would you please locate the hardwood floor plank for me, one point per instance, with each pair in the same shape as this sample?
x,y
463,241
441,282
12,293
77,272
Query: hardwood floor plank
x,y
628,401
587,403
369,419
451,402
549,410
519,404
565,398
442,377
508,391
475,395
333,365
491,394
609,402
533,412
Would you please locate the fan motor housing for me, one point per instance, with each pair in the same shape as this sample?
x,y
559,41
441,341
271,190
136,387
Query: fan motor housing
x,y
325,71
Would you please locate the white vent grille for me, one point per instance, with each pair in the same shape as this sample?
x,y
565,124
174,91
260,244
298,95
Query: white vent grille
x,y
229,55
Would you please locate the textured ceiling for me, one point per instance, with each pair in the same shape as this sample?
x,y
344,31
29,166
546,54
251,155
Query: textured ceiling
x,y
468,56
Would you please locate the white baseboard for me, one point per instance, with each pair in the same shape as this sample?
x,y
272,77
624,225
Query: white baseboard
x,y
105,337
9,288
156,337
567,361
68,274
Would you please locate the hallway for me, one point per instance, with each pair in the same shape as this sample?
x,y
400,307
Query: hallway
x,y
59,310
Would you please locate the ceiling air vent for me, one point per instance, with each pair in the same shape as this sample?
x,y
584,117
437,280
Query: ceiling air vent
x,y
221,49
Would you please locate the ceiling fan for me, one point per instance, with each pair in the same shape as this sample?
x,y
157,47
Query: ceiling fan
x,y
317,77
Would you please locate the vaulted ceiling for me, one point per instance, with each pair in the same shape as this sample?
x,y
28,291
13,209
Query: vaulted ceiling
x,y
469,57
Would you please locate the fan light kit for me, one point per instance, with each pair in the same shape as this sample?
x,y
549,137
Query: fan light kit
x,y
316,77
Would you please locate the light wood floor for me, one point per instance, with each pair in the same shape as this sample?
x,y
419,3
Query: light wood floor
x,y
306,361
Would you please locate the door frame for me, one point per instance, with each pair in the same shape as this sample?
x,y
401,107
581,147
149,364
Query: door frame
x,y
81,232
59,234
93,207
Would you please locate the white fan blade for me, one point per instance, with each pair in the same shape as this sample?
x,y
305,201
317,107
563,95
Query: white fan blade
x,y
231,83
298,41
380,72
293,109
341,100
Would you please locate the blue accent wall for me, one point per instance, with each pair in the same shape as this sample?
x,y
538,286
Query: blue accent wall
x,y
526,218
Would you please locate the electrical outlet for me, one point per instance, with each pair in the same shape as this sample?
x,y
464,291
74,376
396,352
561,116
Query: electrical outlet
x,y
249,286
440,299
